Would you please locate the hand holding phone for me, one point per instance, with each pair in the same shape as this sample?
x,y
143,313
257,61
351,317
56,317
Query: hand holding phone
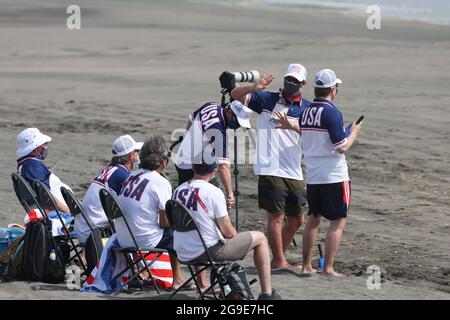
x,y
359,120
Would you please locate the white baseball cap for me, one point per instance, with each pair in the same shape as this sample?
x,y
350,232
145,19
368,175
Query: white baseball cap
x,y
28,140
242,113
124,145
326,78
297,71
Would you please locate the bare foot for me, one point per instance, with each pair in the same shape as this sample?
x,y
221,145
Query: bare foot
x,y
332,273
308,269
282,265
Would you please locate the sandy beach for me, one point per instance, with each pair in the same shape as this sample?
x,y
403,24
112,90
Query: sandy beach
x,y
140,67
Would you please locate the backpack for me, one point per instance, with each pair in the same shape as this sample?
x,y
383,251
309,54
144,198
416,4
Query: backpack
x,y
239,285
42,258
234,280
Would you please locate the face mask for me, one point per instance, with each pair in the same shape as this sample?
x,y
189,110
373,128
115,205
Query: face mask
x,y
233,123
291,88
44,152
136,164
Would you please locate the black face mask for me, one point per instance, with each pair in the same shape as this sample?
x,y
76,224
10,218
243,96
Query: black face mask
x,y
290,88
233,123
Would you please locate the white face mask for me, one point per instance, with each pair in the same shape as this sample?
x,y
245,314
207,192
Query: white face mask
x,y
136,164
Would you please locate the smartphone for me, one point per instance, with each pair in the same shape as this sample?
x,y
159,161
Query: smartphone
x,y
360,119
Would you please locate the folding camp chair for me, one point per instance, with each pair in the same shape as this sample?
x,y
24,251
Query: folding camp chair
x,y
76,208
74,205
47,202
181,221
114,211
27,197
94,245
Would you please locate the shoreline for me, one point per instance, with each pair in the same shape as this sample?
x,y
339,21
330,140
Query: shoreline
x,y
358,11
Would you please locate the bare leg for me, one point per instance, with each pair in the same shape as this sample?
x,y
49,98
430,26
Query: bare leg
x,y
202,279
274,224
261,257
290,229
309,237
333,239
178,278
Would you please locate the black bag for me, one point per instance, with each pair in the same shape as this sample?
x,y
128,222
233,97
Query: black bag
x,y
42,258
236,278
94,249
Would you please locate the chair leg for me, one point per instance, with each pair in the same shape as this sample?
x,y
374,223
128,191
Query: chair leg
x,y
131,264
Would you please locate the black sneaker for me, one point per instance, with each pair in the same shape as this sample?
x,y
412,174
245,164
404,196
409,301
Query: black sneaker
x,y
273,296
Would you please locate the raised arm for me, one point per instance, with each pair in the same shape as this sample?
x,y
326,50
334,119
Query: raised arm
x,y
239,93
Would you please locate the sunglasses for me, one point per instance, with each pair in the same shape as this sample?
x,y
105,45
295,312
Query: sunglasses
x,y
293,81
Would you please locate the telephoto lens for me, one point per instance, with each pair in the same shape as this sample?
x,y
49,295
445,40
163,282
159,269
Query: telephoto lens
x,y
246,76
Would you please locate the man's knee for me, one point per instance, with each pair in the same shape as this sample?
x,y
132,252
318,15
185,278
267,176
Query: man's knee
x,y
275,218
295,221
258,238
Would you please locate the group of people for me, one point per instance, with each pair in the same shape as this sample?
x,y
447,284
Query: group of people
x,y
288,126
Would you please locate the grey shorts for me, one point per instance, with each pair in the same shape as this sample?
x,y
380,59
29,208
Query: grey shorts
x,y
233,249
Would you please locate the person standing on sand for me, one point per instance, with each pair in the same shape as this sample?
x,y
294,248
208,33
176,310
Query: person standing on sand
x,y
207,134
324,144
281,190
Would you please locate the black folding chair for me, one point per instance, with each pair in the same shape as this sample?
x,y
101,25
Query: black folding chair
x,y
114,211
47,202
181,221
74,205
76,208
26,196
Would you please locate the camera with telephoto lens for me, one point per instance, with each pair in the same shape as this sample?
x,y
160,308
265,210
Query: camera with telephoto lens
x,y
228,79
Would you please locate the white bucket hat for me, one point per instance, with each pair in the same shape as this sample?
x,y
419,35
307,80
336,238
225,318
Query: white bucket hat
x,y
124,145
242,113
28,140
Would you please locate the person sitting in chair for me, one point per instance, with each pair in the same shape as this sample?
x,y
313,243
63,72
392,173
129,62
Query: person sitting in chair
x,y
125,157
31,153
143,198
207,206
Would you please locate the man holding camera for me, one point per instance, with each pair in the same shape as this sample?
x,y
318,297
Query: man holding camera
x,y
281,190
206,138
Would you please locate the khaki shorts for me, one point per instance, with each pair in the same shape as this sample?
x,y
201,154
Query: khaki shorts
x,y
233,249
281,195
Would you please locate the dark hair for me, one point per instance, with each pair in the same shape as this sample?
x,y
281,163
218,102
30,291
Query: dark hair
x,y
322,92
204,169
120,160
153,153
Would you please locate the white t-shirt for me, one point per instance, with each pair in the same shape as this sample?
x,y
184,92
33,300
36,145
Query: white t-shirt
x,y
209,206
142,197
323,133
278,152
110,177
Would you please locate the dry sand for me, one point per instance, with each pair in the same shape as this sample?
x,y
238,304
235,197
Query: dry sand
x,y
140,67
